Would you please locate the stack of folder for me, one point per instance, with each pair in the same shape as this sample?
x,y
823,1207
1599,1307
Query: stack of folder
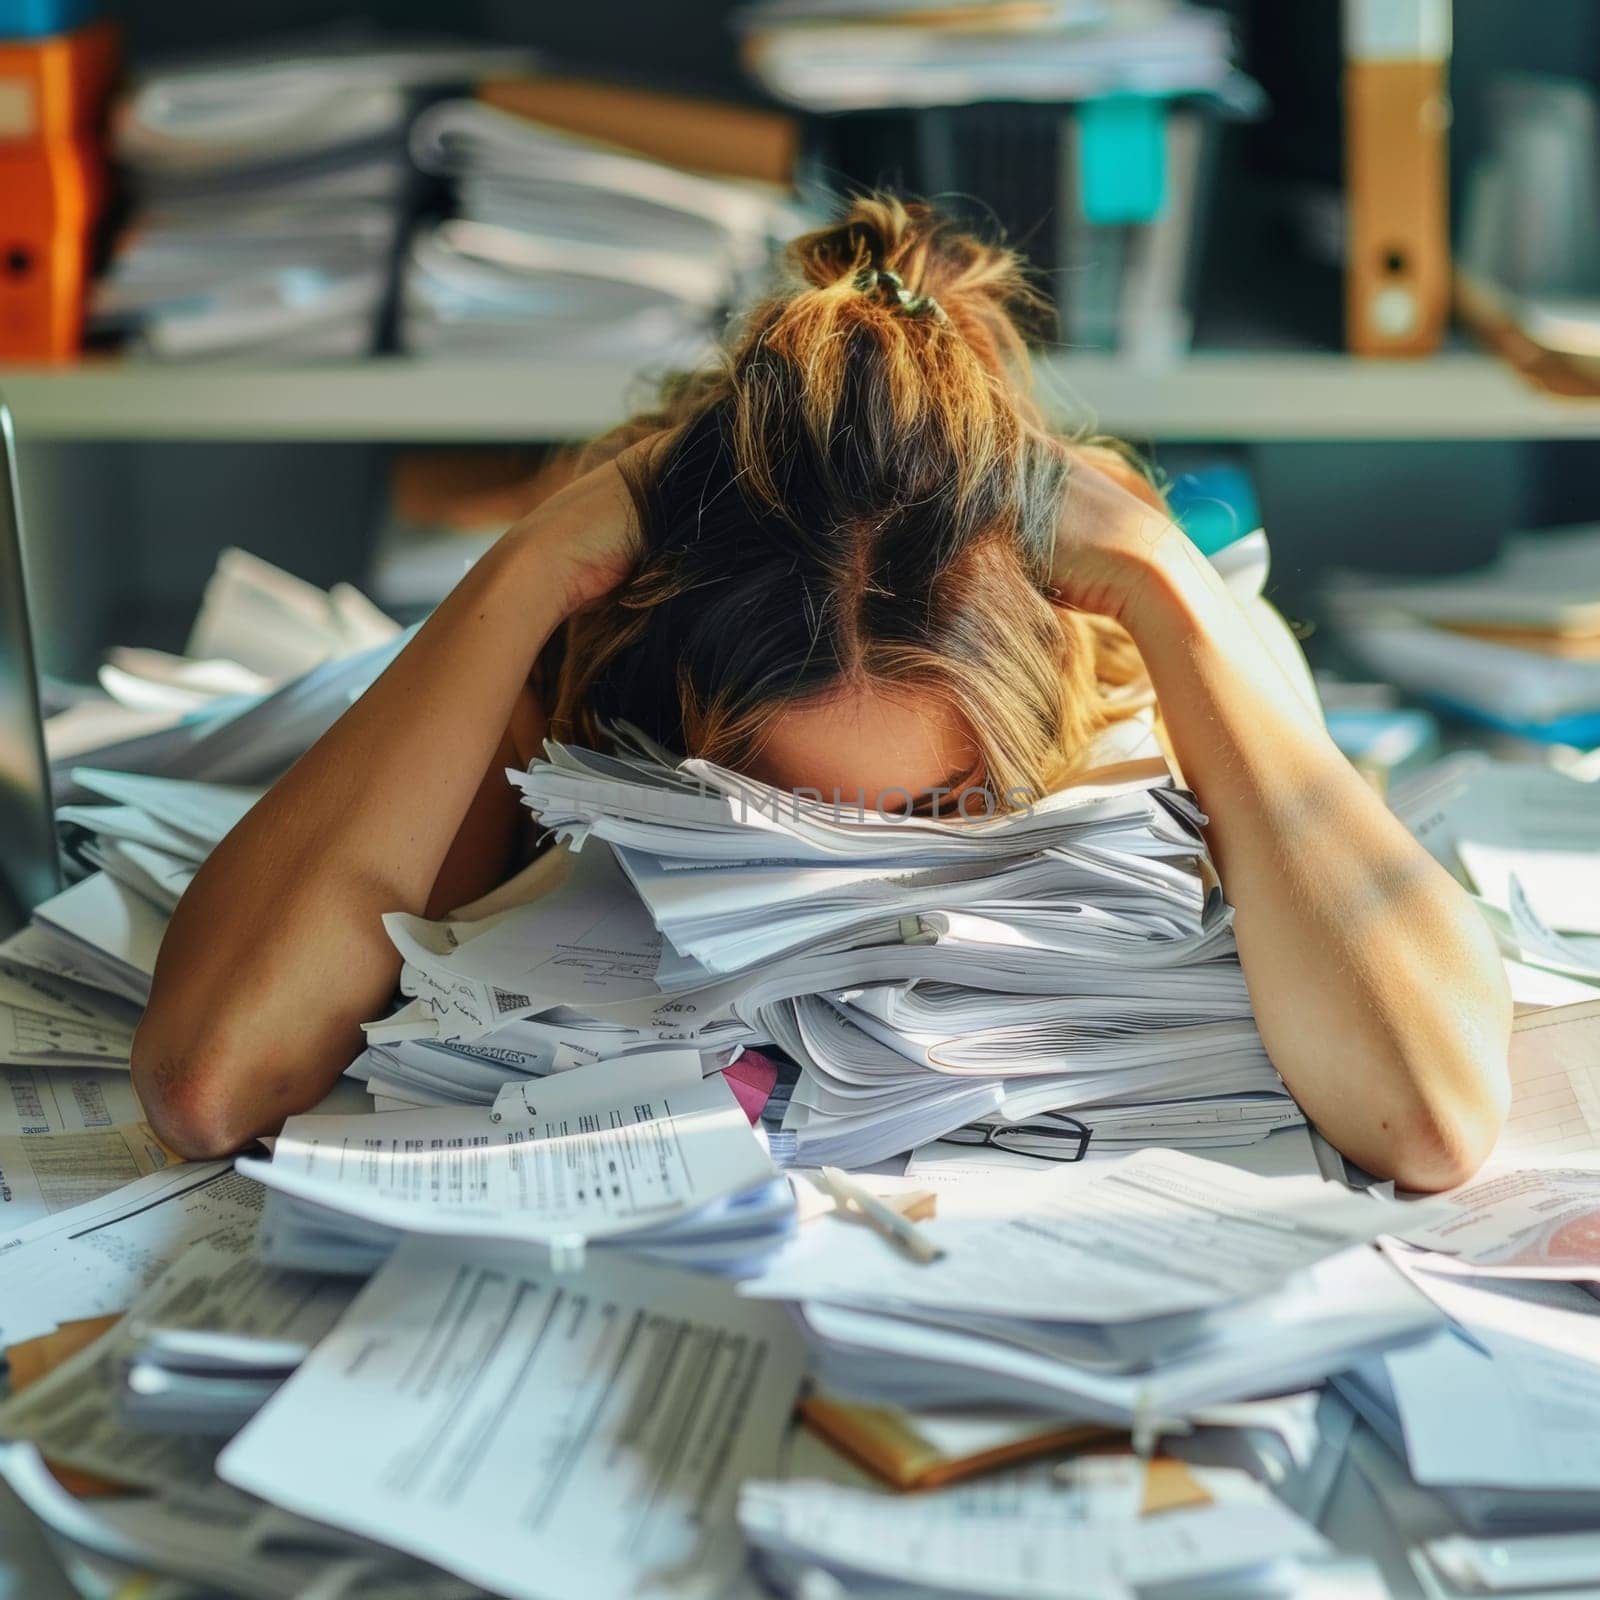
x,y
1514,645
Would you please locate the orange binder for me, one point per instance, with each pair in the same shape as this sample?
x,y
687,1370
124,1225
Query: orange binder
x,y
52,174
1396,119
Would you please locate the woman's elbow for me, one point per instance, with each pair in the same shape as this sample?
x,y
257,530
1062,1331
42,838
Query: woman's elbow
x,y
1462,1101
186,1091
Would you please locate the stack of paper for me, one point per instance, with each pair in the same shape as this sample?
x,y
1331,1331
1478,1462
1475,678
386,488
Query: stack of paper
x,y
1074,1534
1515,644
72,982
270,663
1071,956
537,1433
1497,1417
1526,841
646,1155
145,1404
1132,1293
572,250
847,55
1447,1560
270,196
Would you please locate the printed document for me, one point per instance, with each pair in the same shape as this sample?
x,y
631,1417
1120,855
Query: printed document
x,y
73,1414
33,1100
1157,1233
95,1258
43,1038
1539,1222
1515,1403
601,1151
1027,1536
47,1172
1555,1087
506,1422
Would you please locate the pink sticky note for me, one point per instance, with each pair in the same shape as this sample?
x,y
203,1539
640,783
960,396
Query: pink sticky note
x,y
752,1078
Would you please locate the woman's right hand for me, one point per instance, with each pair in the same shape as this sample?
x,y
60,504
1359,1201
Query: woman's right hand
x,y
589,530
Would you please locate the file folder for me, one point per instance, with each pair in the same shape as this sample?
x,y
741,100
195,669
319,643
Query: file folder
x,y
1396,116
52,174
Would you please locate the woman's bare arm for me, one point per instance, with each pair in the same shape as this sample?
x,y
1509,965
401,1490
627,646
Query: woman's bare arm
x,y
1377,987
277,953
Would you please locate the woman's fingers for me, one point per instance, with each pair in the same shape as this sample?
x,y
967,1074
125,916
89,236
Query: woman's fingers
x,y
1108,536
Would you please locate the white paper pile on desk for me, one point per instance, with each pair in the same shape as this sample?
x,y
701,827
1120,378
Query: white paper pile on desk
x,y
1514,645
271,193
517,1426
1491,1473
73,980
270,663
645,1155
1132,1293
576,251
1075,1534
1526,841
925,974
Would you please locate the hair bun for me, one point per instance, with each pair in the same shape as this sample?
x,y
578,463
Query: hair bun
x,y
907,257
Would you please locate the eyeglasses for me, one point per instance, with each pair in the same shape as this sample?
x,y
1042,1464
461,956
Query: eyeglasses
x,y
1052,1137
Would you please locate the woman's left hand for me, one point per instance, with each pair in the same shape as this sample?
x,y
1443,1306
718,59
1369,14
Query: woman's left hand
x,y
1112,533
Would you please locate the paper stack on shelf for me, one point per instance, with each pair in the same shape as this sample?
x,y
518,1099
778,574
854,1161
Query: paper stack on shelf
x,y
1514,645
270,190
861,54
1073,956
576,251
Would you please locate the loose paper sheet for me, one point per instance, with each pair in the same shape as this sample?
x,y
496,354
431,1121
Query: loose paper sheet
x,y
1028,1536
1542,1222
34,1100
1156,1233
95,1258
73,1414
1515,1404
600,1151
1555,1088
47,1172
508,1422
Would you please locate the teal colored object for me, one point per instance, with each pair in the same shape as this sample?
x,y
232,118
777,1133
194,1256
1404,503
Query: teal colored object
x,y
1122,158
1215,505
37,19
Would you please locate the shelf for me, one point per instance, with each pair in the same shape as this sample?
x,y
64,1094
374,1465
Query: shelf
x,y
1217,397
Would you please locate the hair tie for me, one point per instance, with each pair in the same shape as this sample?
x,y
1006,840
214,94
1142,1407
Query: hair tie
x,y
891,287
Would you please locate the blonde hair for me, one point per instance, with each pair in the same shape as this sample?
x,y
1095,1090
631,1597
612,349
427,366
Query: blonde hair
x,y
861,490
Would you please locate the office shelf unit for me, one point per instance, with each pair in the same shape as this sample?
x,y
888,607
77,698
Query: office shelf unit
x,y
1217,397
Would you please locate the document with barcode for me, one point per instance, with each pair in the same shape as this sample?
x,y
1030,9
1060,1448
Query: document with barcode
x,y
508,1422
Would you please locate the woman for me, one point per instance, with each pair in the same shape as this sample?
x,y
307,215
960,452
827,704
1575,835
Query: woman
x,y
851,558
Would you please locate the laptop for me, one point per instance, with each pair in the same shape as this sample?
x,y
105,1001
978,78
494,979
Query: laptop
x,y
30,867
